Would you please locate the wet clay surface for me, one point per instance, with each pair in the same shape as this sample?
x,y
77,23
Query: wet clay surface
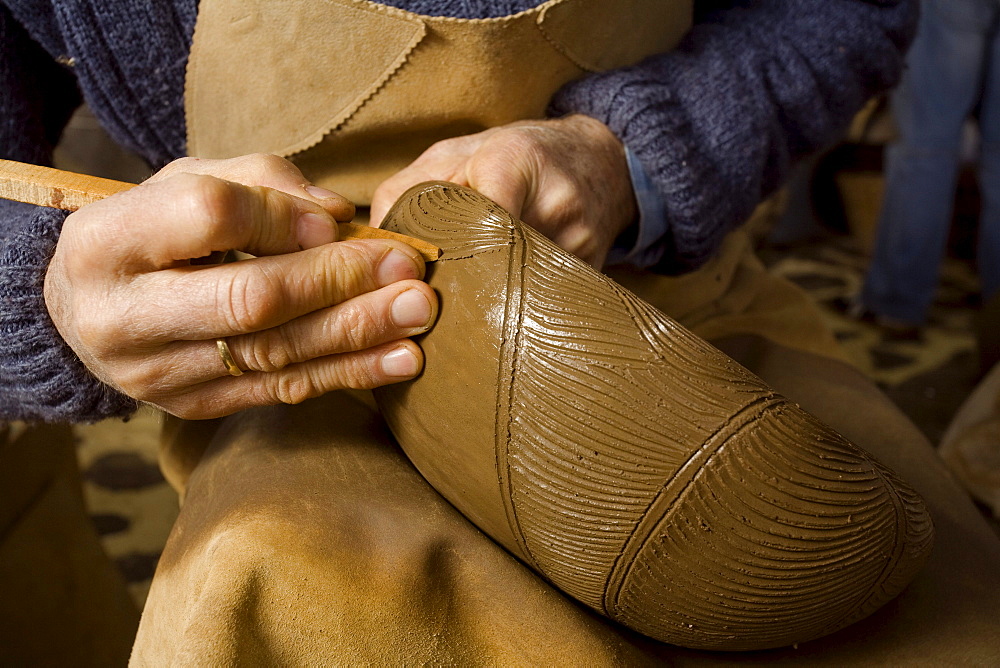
x,y
633,465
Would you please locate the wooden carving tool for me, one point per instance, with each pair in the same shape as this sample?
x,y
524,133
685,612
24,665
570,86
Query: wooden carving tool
x,y
58,189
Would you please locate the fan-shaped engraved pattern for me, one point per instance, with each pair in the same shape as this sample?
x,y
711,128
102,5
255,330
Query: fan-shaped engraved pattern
x,y
745,523
568,458
916,544
491,231
775,541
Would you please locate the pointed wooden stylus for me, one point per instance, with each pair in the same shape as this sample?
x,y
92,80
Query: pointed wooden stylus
x,y
58,189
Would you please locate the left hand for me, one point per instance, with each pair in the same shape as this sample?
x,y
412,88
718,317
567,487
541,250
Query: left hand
x,y
566,177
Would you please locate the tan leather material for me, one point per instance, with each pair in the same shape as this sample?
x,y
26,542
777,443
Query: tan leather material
x,y
971,444
413,80
307,538
178,457
625,31
275,77
379,85
947,615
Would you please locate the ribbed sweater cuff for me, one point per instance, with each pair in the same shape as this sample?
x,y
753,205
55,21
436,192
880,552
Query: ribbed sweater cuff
x,y
41,378
656,129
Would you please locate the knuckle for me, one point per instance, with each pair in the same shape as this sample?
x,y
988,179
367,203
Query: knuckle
x,y
141,382
509,153
210,200
74,254
352,263
258,166
87,240
217,199
567,190
440,148
293,388
59,285
278,203
356,325
269,352
267,161
98,332
252,300
177,166
359,373
514,142
567,210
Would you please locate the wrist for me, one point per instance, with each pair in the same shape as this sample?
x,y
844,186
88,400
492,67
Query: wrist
x,y
608,149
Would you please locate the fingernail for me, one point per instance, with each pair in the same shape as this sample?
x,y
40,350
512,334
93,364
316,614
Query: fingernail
x,y
400,363
322,193
315,230
411,309
338,206
396,266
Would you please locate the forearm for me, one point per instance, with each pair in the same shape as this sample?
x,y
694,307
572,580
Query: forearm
x,y
718,122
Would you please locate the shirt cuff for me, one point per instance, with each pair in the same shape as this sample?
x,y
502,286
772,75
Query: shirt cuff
x,y
642,244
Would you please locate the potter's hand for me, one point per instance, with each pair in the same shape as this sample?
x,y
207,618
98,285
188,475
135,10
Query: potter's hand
x,y
565,177
305,317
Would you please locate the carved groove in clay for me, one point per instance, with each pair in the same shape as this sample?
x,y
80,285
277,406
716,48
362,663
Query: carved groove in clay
x,y
509,345
636,467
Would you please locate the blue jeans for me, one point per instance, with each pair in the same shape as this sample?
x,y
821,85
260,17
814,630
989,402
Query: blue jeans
x,y
954,64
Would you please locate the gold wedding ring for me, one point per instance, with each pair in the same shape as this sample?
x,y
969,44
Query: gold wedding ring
x,y
227,358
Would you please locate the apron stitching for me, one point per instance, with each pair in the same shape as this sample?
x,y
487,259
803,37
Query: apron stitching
x,y
377,7
559,46
337,121
389,12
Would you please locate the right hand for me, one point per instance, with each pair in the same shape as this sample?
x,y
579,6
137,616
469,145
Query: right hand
x,y
305,317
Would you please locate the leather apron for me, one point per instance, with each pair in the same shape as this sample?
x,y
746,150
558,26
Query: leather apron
x,y
352,92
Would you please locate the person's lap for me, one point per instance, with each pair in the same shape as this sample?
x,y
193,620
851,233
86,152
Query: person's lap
x,y
307,537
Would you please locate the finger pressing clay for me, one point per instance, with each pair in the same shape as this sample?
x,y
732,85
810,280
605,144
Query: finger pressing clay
x,y
630,463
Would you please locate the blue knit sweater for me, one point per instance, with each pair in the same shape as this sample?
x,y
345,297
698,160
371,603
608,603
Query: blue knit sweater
x,y
716,124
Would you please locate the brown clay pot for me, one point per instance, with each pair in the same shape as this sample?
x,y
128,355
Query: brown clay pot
x,y
627,461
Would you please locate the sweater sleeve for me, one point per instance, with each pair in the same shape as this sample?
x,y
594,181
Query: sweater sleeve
x,y
41,379
753,87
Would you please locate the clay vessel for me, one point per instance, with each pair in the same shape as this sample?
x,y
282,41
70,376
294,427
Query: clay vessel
x,y
626,460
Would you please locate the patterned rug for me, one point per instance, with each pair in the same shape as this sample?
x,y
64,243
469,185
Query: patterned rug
x,y
130,503
927,378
